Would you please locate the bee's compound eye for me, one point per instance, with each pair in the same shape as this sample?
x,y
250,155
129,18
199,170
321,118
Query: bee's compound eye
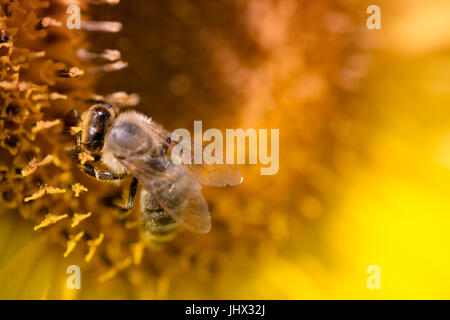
x,y
128,135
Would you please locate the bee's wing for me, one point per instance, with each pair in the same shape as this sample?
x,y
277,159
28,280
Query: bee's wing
x,y
216,175
162,134
176,190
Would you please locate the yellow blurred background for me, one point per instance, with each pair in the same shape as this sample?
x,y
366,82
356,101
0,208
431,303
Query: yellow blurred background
x,y
364,123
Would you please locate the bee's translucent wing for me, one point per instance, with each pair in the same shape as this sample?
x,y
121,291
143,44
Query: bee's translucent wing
x,y
216,175
176,190
163,135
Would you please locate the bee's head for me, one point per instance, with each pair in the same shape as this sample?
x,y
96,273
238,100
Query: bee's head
x,y
97,120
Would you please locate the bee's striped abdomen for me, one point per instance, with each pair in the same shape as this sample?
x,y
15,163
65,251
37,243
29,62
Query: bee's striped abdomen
x,y
157,226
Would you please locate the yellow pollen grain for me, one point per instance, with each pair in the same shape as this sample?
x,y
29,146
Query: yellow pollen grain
x,y
77,188
93,244
78,217
50,22
43,190
75,130
72,243
42,125
75,72
84,157
49,220
122,265
33,165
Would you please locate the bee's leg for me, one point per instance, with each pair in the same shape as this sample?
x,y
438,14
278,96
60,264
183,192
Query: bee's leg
x,y
77,151
124,210
72,120
101,175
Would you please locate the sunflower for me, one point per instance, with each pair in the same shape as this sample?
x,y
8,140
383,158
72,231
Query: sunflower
x,y
309,68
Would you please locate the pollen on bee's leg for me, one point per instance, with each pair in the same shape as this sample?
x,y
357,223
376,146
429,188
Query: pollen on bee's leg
x,y
84,157
77,188
75,130
42,125
44,190
49,220
110,67
72,243
33,165
107,54
93,244
73,72
138,251
122,265
106,26
47,22
78,217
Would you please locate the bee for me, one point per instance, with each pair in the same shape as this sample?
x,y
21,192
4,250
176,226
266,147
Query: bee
x,y
129,143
